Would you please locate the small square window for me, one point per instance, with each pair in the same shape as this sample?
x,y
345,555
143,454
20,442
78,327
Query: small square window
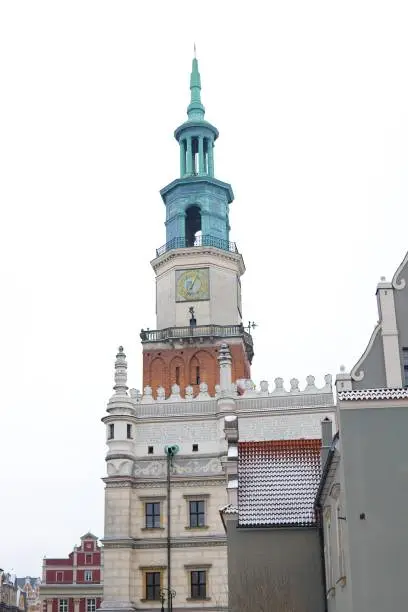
x,y
88,576
153,583
63,605
111,431
405,365
91,605
88,559
150,450
195,448
60,577
197,513
152,515
129,431
198,583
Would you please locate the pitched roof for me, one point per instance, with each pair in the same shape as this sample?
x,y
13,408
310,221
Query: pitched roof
x,y
278,482
89,536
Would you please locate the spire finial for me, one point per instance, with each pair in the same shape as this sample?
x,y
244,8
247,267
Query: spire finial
x,y
120,387
195,110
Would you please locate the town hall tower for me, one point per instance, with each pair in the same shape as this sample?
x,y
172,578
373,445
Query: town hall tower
x,y
198,269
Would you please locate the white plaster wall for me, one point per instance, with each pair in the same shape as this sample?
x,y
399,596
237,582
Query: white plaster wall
x,y
215,556
214,496
220,309
118,509
184,433
282,426
118,577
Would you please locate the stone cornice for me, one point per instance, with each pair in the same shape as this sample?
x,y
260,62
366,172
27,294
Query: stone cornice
x,y
177,542
245,407
177,255
119,482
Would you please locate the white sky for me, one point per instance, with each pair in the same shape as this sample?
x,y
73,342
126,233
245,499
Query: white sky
x,y
311,100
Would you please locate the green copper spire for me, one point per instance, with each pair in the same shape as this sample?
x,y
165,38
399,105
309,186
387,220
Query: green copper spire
x,y
195,110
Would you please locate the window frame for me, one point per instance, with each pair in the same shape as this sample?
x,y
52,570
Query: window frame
x,y
111,431
129,431
63,605
154,572
86,574
88,558
153,515
405,365
202,586
57,575
91,608
194,515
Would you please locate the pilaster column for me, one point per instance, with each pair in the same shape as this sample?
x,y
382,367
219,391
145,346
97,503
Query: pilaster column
x,y
210,158
49,605
189,157
182,158
225,361
74,572
200,155
77,601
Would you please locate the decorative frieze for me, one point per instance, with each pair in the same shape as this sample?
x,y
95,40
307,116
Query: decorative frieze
x,y
182,467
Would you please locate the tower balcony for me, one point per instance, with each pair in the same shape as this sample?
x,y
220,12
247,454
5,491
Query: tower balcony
x,y
194,333
199,241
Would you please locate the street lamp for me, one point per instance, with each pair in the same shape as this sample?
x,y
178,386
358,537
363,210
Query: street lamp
x,y
171,450
168,594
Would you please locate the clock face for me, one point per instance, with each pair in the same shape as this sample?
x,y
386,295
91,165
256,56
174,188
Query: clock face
x,y
192,285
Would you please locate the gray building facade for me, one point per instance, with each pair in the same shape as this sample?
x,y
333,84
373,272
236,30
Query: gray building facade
x,y
363,496
274,548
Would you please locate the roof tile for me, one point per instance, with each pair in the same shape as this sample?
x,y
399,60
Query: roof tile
x,y
278,482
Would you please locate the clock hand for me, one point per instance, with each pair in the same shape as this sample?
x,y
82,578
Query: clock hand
x,y
193,283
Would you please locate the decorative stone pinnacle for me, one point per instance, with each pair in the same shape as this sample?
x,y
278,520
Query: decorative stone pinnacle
x,y
120,387
224,355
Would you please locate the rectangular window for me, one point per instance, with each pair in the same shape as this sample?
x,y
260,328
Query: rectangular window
x,y
129,431
197,513
111,431
60,576
405,365
195,448
150,450
88,559
91,605
63,605
197,381
198,580
88,576
152,514
153,586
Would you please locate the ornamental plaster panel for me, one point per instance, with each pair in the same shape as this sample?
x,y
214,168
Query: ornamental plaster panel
x,y
202,482
282,427
181,467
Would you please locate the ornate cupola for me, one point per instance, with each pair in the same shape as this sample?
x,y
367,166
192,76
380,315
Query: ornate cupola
x,y
198,269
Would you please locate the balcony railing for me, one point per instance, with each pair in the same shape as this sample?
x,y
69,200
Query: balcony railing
x,y
200,241
200,331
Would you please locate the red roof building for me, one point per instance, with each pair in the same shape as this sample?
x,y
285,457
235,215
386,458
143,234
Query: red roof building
x,y
74,583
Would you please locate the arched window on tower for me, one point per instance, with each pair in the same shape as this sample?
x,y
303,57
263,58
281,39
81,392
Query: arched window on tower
x,y
193,225
196,162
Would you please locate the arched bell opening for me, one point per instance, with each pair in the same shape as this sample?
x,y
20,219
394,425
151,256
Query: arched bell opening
x,y
193,225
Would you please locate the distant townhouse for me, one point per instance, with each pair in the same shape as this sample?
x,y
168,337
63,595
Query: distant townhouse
x,y
74,583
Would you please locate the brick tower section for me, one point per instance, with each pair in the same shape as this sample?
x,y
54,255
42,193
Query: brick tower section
x,y
191,365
